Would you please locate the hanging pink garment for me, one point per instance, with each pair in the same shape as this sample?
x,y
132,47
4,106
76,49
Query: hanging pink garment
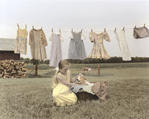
x,y
56,48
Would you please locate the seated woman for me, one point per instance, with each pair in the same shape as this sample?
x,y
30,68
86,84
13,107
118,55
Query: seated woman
x,y
61,85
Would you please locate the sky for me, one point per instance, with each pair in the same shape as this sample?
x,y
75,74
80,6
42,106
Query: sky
x,y
77,15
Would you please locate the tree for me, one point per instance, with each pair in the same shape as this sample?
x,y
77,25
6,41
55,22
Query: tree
x,y
35,62
21,58
47,61
27,60
41,62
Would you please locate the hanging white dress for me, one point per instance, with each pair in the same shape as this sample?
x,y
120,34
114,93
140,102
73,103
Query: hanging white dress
x,y
120,35
56,48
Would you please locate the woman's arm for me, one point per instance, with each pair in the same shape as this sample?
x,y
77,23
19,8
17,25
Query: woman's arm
x,y
63,81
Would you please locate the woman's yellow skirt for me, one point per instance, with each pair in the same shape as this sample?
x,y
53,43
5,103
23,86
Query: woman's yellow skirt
x,y
62,96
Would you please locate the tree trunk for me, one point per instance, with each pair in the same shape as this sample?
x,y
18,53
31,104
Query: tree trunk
x,y
98,69
36,69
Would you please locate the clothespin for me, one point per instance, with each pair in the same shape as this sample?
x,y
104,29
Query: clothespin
x,y
72,30
26,26
123,28
52,29
17,24
144,25
91,30
115,29
81,30
32,27
105,30
59,30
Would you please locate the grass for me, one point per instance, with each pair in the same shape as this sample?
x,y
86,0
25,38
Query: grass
x,y
40,66
46,71
31,98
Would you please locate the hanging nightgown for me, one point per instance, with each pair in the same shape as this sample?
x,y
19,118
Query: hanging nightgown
x,y
120,35
37,42
76,46
21,41
56,48
98,50
61,94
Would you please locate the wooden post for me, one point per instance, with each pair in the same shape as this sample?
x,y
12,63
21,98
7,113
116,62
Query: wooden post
x,y
88,71
79,71
98,69
36,69
83,68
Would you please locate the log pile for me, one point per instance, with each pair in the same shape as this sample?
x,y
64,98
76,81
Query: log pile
x,y
12,69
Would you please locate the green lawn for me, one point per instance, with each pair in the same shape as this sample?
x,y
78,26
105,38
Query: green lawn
x,y
46,71
31,98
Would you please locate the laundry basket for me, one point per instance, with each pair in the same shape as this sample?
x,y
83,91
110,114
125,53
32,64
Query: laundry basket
x,y
86,96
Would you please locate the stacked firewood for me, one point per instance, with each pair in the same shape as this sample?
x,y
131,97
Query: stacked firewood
x,y
12,69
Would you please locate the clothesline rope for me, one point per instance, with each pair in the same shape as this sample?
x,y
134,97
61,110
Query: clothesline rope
x,y
67,31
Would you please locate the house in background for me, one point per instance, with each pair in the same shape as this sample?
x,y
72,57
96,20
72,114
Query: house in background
x,y
7,49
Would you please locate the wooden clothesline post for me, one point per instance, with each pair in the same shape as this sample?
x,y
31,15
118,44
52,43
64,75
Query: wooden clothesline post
x,y
98,69
78,71
36,68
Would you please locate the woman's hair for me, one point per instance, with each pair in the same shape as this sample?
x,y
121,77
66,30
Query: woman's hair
x,y
61,64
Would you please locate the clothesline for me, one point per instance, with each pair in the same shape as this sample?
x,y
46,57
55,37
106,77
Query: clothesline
x,y
68,31
76,48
